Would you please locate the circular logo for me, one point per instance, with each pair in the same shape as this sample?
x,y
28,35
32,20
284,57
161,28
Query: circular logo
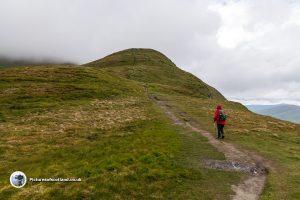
x,y
18,179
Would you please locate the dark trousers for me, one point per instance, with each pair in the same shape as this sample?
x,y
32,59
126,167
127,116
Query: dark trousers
x,y
220,130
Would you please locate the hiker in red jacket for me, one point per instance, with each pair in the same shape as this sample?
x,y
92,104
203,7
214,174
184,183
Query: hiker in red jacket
x,y
220,119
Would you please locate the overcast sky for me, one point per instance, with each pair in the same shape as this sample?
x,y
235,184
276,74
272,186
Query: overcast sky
x,y
248,50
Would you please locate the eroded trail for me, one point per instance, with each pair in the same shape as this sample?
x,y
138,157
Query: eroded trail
x,y
254,166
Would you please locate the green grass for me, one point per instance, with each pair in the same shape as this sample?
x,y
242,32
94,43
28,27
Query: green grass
x,y
130,162
30,89
148,160
82,122
283,150
149,66
95,122
132,57
206,184
276,140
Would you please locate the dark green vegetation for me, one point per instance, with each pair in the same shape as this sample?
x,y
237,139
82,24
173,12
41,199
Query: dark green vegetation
x,y
280,111
97,123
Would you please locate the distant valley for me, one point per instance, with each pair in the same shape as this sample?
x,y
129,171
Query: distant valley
x,y
281,111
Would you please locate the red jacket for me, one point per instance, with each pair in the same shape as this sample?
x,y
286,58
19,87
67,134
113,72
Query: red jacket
x,y
216,115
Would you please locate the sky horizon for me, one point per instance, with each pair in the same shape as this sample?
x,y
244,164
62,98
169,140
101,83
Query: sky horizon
x,y
246,49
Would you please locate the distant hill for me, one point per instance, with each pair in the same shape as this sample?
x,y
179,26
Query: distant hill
x,y
12,62
281,111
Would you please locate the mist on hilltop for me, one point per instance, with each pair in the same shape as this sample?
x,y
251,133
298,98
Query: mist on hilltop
x,y
6,61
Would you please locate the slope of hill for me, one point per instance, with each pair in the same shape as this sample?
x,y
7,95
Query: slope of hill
x,y
153,68
281,111
96,122
248,130
83,122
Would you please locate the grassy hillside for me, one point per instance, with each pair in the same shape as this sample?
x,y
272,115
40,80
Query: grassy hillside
x,y
96,122
83,122
275,139
154,69
281,111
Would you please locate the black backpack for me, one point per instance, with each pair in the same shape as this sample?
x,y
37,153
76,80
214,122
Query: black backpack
x,y
222,116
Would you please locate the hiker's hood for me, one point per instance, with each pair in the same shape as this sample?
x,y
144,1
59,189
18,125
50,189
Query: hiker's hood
x,y
219,107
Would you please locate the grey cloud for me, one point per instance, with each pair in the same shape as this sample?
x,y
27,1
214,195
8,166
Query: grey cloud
x,y
86,30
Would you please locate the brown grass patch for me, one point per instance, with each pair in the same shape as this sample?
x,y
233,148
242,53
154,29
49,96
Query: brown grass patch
x,y
85,122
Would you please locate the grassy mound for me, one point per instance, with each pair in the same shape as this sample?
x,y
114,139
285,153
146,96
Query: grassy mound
x,y
156,70
132,57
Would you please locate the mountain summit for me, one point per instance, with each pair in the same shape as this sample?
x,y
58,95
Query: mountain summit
x,y
157,70
134,56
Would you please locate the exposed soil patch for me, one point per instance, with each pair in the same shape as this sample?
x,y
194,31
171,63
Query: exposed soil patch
x,y
254,166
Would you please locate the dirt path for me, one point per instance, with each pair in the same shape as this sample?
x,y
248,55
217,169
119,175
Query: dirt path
x,y
254,166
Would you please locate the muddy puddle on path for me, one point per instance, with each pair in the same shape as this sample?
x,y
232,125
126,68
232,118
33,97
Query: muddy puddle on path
x,y
235,166
254,167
